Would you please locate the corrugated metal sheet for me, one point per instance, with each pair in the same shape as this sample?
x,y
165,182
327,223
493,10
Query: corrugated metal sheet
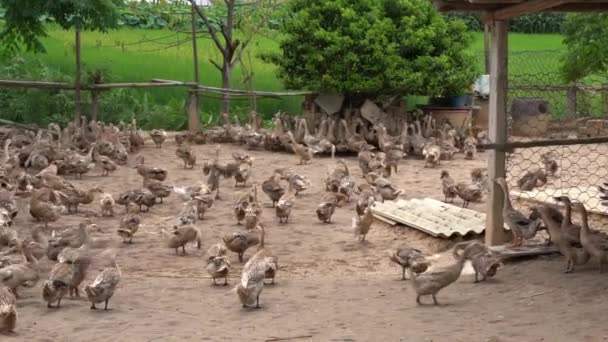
x,y
433,217
587,195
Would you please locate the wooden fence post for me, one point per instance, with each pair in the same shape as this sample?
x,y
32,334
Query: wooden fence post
x,y
497,129
94,104
571,94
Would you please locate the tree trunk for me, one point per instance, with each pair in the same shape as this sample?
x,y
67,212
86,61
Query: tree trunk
x,y
226,71
94,105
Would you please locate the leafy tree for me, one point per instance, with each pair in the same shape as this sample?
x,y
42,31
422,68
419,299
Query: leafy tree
x,y
372,47
586,36
24,20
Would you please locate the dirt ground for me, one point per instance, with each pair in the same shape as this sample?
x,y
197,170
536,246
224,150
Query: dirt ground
x,y
329,287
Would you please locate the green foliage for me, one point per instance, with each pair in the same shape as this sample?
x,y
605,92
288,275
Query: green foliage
x,y
372,47
24,19
44,106
532,23
586,37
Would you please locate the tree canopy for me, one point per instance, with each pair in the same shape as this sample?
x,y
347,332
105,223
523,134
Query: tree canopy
x,y
373,47
586,38
24,26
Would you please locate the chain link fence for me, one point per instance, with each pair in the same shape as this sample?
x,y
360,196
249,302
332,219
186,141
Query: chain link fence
x,y
542,107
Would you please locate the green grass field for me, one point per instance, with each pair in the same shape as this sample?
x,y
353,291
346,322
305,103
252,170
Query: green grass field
x,y
129,55
136,55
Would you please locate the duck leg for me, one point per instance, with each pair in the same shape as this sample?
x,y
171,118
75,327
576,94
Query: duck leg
x,y
257,302
225,280
435,300
418,300
403,274
93,307
183,249
214,283
106,306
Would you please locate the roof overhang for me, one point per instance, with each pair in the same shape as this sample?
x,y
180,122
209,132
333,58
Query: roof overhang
x,y
506,9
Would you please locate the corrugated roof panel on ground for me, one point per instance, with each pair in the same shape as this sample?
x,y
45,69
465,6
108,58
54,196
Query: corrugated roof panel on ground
x,y
432,217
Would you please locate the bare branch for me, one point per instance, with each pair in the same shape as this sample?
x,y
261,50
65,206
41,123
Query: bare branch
x,y
210,28
239,54
215,64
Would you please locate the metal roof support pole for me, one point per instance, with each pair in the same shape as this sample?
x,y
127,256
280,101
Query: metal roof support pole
x,y
497,129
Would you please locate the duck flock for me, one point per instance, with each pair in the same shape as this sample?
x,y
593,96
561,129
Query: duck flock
x,y
38,165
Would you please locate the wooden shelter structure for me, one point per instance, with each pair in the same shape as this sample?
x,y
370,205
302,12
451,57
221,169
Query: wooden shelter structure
x,y
496,14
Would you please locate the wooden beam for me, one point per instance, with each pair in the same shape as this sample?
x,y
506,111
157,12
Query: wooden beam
x,y
492,6
35,84
544,143
526,7
497,129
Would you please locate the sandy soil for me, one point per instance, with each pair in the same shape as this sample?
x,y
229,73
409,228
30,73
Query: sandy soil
x,y
329,287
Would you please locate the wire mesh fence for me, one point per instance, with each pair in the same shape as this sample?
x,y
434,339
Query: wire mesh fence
x,y
542,106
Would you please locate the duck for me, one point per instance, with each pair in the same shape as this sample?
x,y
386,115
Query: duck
x,y
239,242
129,224
218,267
262,265
186,154
468,193
106,203
102,288
141,197
24,274
272,187
73,238
157,188
44,211
429,283
150,172
8,203
181,235
570,231
203,203
8,310
448,186
362,224
240,205
65,277
107,165
410,259
158,136
83,164
285,205
365,157
594,242
384,188
73,197
367,194
553,223
298,182
329,202
188,214
521,226
186,193
431,153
